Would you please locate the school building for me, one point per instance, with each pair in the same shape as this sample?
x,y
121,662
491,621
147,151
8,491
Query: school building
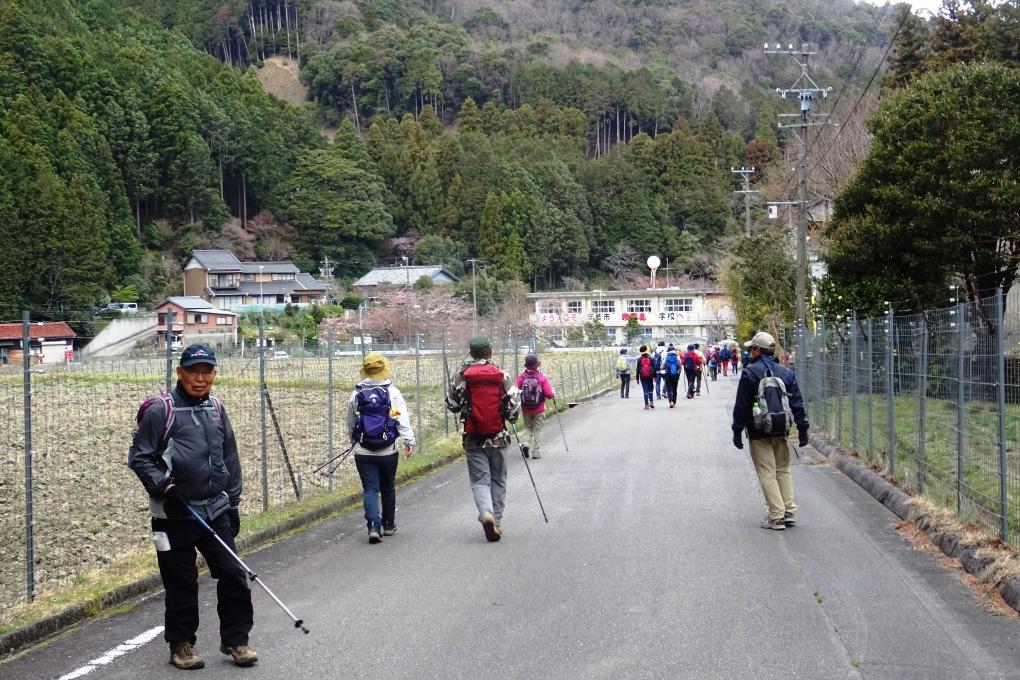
x,y
677,315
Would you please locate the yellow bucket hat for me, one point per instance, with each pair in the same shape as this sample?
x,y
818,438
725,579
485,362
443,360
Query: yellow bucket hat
x,y
375,367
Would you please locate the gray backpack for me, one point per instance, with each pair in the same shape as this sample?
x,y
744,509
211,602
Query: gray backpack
x,y
773,415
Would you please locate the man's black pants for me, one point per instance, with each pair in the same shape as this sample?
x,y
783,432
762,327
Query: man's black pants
x,y
179,572
624,385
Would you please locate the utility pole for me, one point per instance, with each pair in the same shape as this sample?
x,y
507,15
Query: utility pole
x,y
746,191
806,91
474,297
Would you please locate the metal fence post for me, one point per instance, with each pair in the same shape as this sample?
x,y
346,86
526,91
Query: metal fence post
x,y
960,319
1000,348
262,413
890,393
853,382
417,392
446,377
570,364
871,388
329,402
922,394
839,390
822,374
26,361
169,351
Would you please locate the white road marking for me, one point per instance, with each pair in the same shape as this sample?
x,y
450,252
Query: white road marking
x,y
119,650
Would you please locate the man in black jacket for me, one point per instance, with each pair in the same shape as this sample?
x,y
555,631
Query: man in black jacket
x,y
770,452
185,453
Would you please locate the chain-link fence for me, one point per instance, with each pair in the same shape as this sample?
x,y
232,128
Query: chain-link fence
x,y
72,505
933,399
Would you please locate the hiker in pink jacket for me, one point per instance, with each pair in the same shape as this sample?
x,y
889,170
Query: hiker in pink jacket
x,y
535,389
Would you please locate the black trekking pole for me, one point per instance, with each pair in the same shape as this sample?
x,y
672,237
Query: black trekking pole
x,y
524,456
706,381
342,456
562,433
298,623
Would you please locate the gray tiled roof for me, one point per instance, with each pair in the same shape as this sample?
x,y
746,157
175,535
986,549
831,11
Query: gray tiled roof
x,y
308,282
193,303
403,275
217,260
285,267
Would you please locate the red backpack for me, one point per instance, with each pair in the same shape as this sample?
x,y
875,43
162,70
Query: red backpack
x,y
644,365
484,397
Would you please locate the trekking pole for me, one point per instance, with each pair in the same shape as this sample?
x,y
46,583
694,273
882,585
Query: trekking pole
x,y
342,456
524,456
298,623
562,433
706,381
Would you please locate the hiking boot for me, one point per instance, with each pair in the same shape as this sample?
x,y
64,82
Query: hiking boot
x,y
672,404
182,655
651,406
777,524
789,519
525,451
490,528
243,655
646,407
374,535
536,456
388,531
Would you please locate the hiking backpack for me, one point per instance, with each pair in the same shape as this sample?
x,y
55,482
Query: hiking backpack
x,y
690,361
672,364
645,366
621,364
532,394
374,426
656,362
724,354
774,416
483,392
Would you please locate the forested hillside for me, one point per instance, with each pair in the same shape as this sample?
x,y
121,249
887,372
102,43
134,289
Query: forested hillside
x,y
552,139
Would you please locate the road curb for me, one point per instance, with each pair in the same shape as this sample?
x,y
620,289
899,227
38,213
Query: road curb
x,y
897,500
38,631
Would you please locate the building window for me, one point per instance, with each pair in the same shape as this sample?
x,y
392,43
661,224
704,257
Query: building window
x,y
247,277
646,332
679,304
574,306
550,308
603,306
224,281
198,318
637,306
283,277
224,320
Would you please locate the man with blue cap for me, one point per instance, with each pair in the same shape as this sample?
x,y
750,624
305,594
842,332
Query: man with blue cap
x,y
185,454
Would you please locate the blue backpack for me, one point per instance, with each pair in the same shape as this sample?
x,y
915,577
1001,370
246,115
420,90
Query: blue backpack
x,y
672,364
724,354
374,427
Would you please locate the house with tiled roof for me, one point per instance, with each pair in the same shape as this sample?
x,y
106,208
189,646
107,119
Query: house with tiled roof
x,y
49,342
402,276
188,319
218,277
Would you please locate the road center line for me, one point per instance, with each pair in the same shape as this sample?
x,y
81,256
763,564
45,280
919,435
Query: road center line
x,y
118,651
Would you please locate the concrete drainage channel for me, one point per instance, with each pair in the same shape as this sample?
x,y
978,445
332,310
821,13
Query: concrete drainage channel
x,y
951,542
39,631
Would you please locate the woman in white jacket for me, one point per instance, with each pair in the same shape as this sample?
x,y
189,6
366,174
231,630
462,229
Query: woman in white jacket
x,y
376,417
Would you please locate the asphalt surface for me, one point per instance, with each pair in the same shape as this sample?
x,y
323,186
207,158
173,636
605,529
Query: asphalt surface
x,y
652,565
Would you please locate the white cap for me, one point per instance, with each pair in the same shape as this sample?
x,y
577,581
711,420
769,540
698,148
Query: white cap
x,y
761,339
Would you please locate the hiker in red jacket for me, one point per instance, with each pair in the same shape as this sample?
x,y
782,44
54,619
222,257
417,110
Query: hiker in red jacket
x,y
692,362
535,389
646,374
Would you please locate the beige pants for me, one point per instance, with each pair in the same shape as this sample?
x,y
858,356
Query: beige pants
x,y
771,458
533,434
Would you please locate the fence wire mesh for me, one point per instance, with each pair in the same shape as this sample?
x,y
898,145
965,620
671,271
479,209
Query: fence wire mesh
x,y
932,398
88,508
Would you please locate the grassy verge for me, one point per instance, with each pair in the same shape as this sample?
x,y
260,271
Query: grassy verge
x,y
89,589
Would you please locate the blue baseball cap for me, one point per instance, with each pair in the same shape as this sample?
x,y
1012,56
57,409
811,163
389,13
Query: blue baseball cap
x,y
198,354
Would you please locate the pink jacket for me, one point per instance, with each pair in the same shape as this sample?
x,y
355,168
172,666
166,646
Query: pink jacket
x,y
547,390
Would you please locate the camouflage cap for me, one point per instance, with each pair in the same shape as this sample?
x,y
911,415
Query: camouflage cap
x,y
479,343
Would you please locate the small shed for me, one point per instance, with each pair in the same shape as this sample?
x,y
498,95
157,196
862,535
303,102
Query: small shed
x,y
50,342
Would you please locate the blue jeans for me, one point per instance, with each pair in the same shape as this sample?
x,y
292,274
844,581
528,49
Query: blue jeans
x,y
646,388
658,385
378,477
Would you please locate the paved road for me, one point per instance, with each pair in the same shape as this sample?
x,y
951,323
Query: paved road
x,y
652,566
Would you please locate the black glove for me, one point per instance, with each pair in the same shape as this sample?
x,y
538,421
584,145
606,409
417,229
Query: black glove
x,y
234,517
802,437
174,499
737,441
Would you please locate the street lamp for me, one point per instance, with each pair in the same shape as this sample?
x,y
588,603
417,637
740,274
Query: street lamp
x,y
261,298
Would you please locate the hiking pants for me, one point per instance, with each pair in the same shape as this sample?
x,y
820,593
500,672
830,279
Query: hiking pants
x,y
771,457
658,385
690,375
648,388
180,538
697,389
714,370
487,472
533,424
378,478
624,385
725,366
672,385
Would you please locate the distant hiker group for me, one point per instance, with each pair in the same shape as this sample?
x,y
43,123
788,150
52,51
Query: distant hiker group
x,y
659,370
